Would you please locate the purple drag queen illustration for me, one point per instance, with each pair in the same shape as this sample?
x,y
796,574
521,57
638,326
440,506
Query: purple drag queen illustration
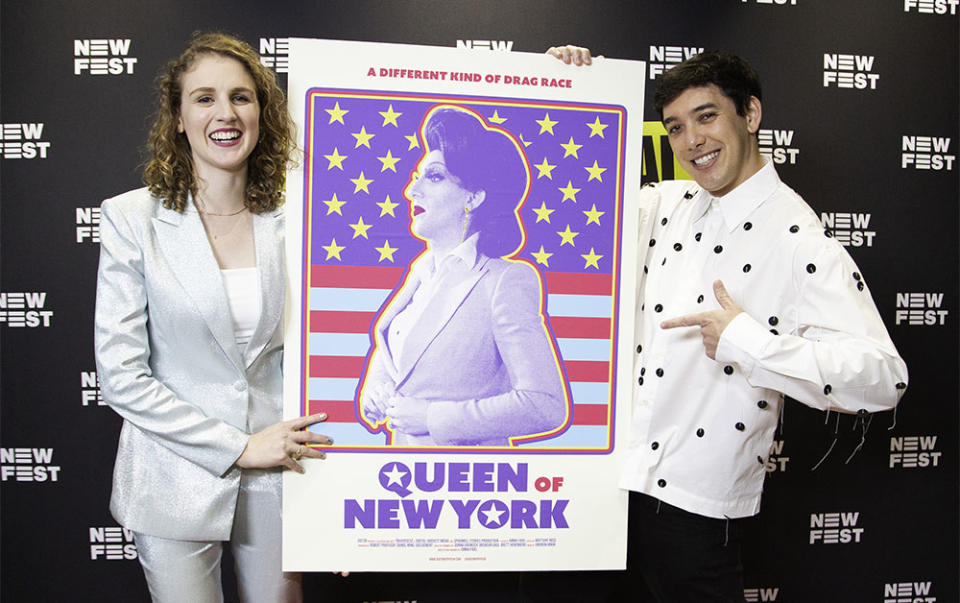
x,y
461,353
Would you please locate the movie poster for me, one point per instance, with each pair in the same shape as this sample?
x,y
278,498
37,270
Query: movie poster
x,y
459,273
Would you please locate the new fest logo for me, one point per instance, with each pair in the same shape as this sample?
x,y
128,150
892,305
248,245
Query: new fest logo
x,y
24,309
755,595
275,53
776,461
90,389
920,309
778,146
28,465
23,141
849,71
103,57
926,153
88,224
850,229
498,45
112,544
478,494
911,452
931,7
663,58
908,592
835,528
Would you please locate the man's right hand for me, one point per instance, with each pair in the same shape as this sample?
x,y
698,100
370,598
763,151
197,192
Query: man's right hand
x,y
569,54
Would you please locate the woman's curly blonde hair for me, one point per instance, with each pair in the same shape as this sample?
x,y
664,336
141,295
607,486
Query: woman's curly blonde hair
x,y
169,172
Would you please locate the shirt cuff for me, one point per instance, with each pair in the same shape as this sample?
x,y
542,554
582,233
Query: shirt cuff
x,y
742,342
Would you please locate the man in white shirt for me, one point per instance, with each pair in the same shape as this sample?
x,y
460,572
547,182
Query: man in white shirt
x,y
745,298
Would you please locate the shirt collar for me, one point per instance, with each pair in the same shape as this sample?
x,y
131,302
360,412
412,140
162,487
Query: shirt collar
x,y
465,252
736,205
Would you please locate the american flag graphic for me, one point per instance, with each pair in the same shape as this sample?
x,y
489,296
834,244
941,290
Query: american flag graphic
x,y
360,148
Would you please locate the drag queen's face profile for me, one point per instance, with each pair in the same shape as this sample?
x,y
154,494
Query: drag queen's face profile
x,y
438,202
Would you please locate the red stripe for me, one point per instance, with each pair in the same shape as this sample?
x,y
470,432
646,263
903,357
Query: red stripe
x,y
336,366
592,371
338,411
580,327
324,321
355,277
579,283
590,414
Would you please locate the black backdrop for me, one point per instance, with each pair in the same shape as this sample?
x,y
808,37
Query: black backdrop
x,y
861,99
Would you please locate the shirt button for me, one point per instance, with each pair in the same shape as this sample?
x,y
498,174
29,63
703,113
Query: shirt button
x,y
640,381
762,403
697,236
663,222
794,229
653,242
240,386
856,276
859,285
700,299
659,372
773,320
901,385
643,370
677,246
662,483
718,249
746,267
639,348
740,426
827,389
811,268
747,226
658,308
728,370
700,432
655,445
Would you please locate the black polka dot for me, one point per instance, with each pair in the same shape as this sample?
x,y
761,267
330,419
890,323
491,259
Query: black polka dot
x,y
740,426
700,432
901,385
653,242
794,229
658,308
700,299
664,262
746,267
644,269
728,369
697,236
811,268
677,246
643,371
718,249
747,226
760,460
659,372
773,320
774,331
762,404
827,389
663,222
642,306
856,276
662,483
654,445
640,381
860,286
827,232
639,348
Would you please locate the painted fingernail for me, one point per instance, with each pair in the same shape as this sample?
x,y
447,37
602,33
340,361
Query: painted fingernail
x,y
329,441
323,416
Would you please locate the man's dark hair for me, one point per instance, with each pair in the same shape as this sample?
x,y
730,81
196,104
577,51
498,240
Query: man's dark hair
x,y
734,76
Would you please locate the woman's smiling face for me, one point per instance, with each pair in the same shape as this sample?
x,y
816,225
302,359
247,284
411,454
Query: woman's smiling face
x,y
437,200
219,113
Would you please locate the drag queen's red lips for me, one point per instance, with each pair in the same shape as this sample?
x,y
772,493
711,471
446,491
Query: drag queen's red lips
x,y
417,210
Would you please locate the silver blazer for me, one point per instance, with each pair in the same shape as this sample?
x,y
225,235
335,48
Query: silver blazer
x,y
168,363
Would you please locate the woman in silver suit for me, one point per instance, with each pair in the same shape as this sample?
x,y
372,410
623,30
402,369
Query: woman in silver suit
x,y
188,333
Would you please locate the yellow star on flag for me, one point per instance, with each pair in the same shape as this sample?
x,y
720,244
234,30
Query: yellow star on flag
x,y
571,148
414,143
361,183
334,205
542,256
386,207
333,250
543,214
544,169
568,192
336,159
389,162
592,258
363,138
546,124
360,229
596,128
336,114
386,252
566,236
593,215
496,119
390,116
595,171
